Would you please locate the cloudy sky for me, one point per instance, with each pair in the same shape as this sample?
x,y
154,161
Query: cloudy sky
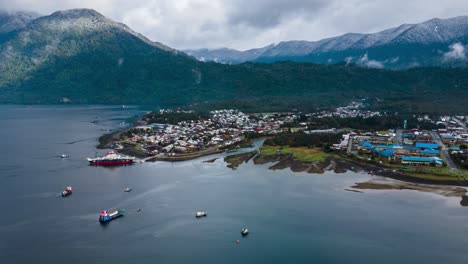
x,y
243,24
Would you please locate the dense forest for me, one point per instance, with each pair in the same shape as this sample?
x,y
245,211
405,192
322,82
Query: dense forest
x,y
249,87
173,118
304,140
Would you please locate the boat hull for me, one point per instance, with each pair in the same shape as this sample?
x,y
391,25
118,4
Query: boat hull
x,y
108,218
111,163
111,158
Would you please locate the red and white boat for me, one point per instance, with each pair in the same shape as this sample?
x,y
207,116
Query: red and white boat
x,y
111,158
67,191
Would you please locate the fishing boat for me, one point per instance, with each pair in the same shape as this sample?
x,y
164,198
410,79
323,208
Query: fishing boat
x,y
127,190
244,231
105,216
200,214
67,191
64,156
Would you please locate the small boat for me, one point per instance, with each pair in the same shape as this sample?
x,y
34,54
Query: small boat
x,y
244,231
67,191
105,216
200,214
64,156
127,190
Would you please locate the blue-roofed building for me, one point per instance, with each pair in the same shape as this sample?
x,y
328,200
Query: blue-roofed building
x,y
427,145
383,151
413,160
366,145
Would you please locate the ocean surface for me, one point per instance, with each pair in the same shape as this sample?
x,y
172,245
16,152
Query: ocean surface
x,y
293,217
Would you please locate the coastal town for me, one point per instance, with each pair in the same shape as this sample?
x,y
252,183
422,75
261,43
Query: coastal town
x,y
174,134
221,130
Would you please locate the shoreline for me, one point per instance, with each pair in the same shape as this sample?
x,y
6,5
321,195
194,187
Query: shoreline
x,y
107,140
381,179
388,184
338,163
185,157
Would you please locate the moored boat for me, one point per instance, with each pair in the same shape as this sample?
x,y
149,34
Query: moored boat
x,y
244,231
67,191
105,216
111,158
200,214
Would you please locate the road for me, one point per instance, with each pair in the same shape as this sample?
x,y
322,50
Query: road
x,y
461,123
399,137
350,144
443,150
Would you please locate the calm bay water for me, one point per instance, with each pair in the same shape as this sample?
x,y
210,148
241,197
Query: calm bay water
x,y
293,217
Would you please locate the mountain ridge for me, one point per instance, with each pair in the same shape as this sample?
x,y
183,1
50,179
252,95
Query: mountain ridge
x,y
86,58
432,37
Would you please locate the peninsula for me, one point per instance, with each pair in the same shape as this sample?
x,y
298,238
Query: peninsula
x,y
416,148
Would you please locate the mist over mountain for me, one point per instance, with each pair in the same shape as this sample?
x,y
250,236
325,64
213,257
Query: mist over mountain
x,y
83,57
430,43
15,20
228,56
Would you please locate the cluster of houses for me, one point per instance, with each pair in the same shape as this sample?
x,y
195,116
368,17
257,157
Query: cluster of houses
x,y
352,110
223,128
177,111
456,132
455,137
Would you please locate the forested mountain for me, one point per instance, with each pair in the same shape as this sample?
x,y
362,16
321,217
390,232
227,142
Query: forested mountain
x,y
435,42
86,58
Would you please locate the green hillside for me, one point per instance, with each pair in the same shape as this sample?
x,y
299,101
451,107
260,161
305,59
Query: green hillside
x,y
83,56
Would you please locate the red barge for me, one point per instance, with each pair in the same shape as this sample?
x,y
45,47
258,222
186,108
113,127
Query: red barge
x,y
111,158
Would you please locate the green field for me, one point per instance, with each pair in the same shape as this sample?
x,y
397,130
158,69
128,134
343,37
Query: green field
x,y
300,153
433,173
